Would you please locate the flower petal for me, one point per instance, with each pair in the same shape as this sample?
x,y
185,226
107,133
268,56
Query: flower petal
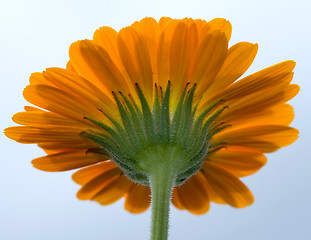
x,y
184,44
221,24
76,85
30,134
192,195
37,78
282,114
94,64
136,60
106,37
93,187
268,137
137,199
239,58
167,23
85,175
36,118
261,104
70,67
176,200
149,29
163,64
239,161
113,191
266,78
31,108
61,146
209,60
60,102
227,186
64,161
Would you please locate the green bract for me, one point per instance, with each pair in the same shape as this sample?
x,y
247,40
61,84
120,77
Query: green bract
x,y
147,137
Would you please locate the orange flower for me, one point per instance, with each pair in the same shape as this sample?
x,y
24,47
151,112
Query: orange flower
x,y
80,123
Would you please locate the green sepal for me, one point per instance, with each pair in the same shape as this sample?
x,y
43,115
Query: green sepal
x,y
128,127
147,116
186,119
156,113
135,116
165,114
149,135
176,122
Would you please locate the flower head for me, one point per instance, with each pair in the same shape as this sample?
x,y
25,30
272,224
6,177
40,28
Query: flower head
x,y
159,94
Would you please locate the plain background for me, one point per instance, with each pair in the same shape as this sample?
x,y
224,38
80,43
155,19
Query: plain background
x,y
42,206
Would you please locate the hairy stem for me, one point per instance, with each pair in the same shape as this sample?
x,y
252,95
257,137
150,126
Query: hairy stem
x,y
161,182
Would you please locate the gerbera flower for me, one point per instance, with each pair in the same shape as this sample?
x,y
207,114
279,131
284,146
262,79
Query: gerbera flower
x,y
159,104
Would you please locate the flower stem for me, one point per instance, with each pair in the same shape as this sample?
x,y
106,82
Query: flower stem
x,y
162,182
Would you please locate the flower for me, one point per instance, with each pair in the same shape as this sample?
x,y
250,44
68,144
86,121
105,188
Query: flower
x,y
163,91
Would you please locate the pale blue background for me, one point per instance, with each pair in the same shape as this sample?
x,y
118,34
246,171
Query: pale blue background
x,y
37,205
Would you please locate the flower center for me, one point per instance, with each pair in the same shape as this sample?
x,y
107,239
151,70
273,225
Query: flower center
x,y
149,137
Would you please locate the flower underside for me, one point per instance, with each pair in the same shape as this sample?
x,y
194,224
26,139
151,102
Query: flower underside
x,y
151,135
159,137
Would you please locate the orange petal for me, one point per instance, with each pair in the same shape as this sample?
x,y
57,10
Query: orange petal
x,y
85,175
31,108
74,84
260,132
282,114
61,146
93,187
260,103
106,37
239,161
184,44
167,25
35,118
37,78
137,199
113,191
64,161
212,194
93,62
149,29
209,60
193,196
264,79
203,28
163,63
54,151
239,58
136,60
200,23
176,200
221,24
163,21
70,67
273,136
227,186
60,102
45,134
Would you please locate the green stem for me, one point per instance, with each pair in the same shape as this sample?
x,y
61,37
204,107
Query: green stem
x,y
162,182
